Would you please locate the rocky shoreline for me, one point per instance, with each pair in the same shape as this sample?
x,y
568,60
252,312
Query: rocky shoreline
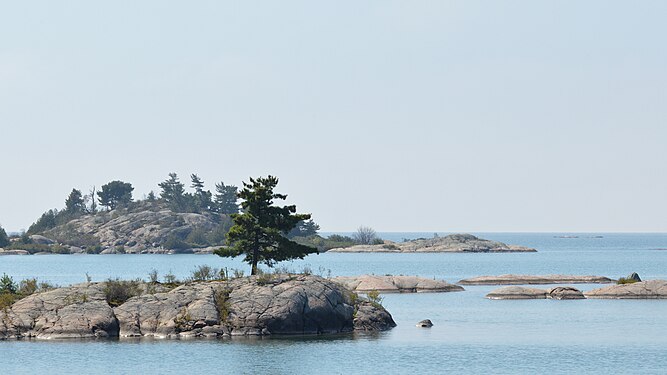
x,y
651,289
252,306
454,243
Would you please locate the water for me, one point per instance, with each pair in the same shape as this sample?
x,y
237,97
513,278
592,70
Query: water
x,y
471,334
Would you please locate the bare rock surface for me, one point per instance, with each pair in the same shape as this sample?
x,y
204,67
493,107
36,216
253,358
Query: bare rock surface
x,y
395,284
79,311
454,243
142,231
257,305
564,292
532,279
651,289
522,292
517,292
426,323
13,252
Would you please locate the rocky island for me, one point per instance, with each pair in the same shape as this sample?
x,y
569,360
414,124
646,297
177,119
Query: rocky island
x,y
453,243
519,292
651,289
395,284
251,306
533,279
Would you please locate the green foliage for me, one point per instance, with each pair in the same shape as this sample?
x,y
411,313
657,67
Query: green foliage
x,y
624,280
324,244
7,284
115,193
153,276
170,278
173,192
204,273
202,198
374,298
197,237
260,231
304,228
48,220
28,287
6,300
116,291
174,242
226,198
4,239
222,304
74,203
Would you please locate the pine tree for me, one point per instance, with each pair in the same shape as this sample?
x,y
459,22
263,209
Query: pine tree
x,y
260,231
202,198
4,239
115,193
74,203
226,198
173,192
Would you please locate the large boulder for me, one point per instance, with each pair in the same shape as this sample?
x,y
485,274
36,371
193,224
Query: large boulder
x,y
652,289
533,279
79,311
454,243
395,284
564,292
41,240
256,305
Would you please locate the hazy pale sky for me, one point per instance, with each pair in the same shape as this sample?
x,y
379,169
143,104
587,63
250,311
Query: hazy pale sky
x,y
400,115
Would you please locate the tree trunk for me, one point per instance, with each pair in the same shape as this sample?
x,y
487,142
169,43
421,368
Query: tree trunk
x,y
255,257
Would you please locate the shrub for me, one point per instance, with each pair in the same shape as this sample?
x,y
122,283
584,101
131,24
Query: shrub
x,y
116,291
6,300
153,276
197,237
624,280
7,284
170,278
28,287
174,242
222,304
374,298
204,273
365,235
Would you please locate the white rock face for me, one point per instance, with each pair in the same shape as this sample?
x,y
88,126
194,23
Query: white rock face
x,y
454,243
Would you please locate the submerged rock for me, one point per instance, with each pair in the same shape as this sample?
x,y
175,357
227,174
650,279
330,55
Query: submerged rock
x,y
454,243
652,289
532,279
395,284
257,305
426,323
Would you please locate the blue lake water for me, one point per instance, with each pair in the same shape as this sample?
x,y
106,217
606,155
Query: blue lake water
x,y
471,334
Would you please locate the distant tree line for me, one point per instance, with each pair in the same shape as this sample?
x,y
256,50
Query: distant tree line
x,y
118,194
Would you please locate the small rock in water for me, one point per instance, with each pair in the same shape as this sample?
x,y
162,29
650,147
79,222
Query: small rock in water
x,y
426,323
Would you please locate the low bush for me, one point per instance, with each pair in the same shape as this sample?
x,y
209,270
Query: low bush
x,y
624,280
117,291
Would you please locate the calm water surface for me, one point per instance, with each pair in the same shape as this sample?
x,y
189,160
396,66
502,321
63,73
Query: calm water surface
x,y
471,334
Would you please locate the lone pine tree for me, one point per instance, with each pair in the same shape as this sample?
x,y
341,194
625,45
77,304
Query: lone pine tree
x,y
260,230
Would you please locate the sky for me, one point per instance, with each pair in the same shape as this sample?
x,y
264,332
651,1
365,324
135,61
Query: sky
x,y
503,116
